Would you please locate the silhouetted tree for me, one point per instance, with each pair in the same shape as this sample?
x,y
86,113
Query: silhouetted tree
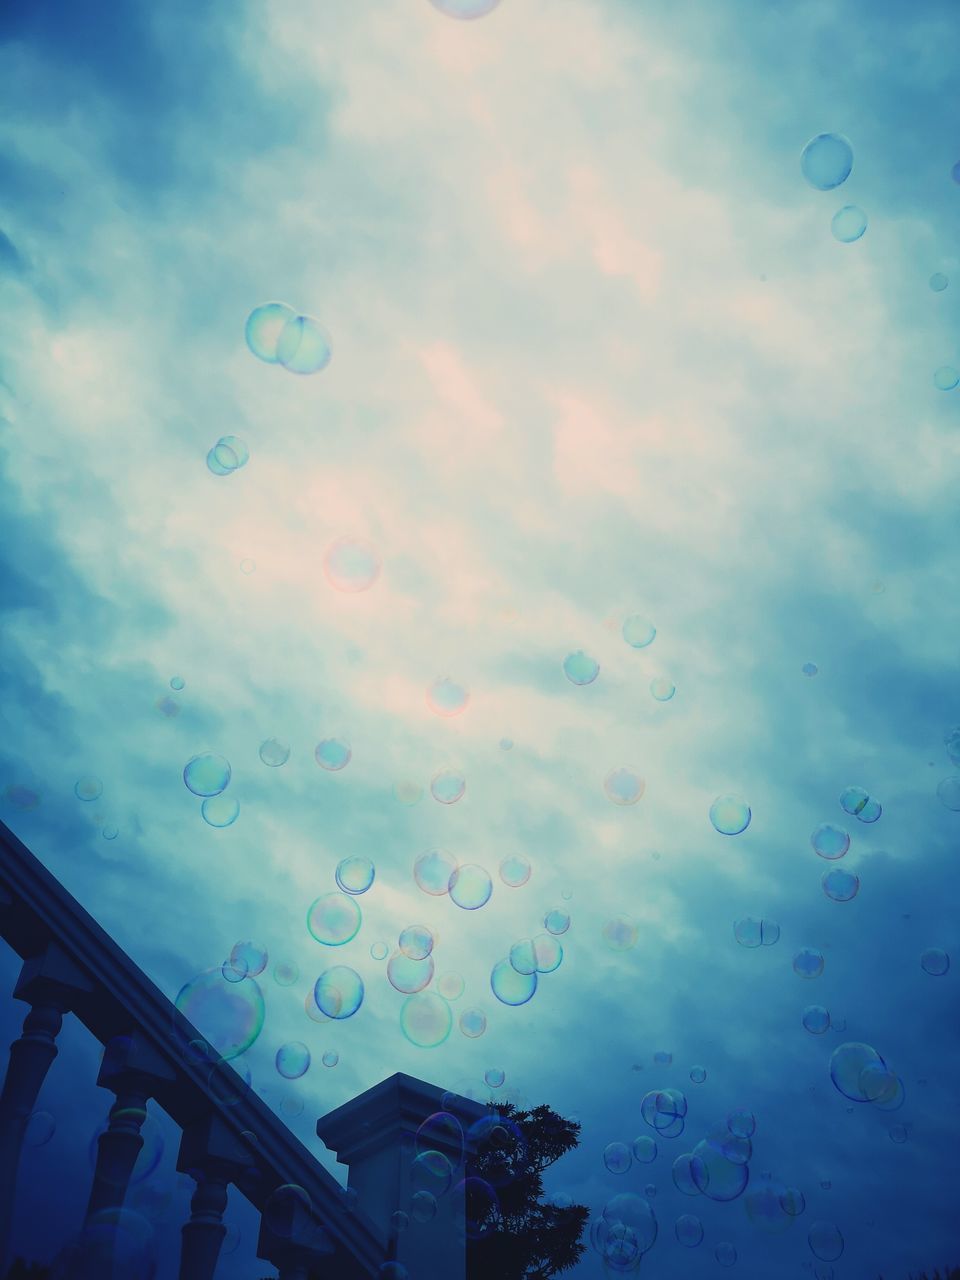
x,y
511,1233
20,1270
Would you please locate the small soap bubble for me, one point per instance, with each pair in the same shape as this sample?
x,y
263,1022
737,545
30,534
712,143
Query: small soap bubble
x,y
848,1063
274,753
222,461
815,1019
304,345
698,1074
624,786
506,744
293,1060
451,985
220,811
248,566
494,1077
407,792
688,1230
730,815
548,951
662,688
741,1122
416,941
88,788
447,786
809,668
935,962
617,1157
339,992
447,697
839,884
111,831
510,987
40,1128
177,683
557,921
426,1020
621,933
330,1058
938,282
870,812
466,10
748,931
432,872
286,973
250,957
848,224
825,1240
946,377
644,1150
470,887
332,754
206,774
826,161
792,1202
409,976
515,870
423,1206
334,919
682,1172
264,327
355,875
379,951
808,963
638,632
168,707
580,668
473,1023
351,565
853,799
948,792
898,1133
829,841
725,1254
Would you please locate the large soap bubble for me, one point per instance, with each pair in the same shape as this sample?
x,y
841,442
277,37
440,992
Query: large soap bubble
x,y
826,161
511,987
638,632
624,786
839,884
730,815
228,1014
432,871
264,327
580,668
409,976
635,1212
825,1240
355,875
848,1062
304,346
206,774
470,887
339,992
426,1020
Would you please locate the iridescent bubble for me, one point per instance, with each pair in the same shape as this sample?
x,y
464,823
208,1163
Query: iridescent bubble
x,y
638,632
220,811
557,921
379,950
339,992
511,987
110,831
935,962
432,871
264,327
848,224
286,973
946,377
617,1157
426,1020
938,282
688,1230
447,786
871,811
852,800
809,668
334,919
304,346
494,1077
229,1014
580,668
523,956
149,1156
88,788
644,1150
624,786
274,753
250,957
662,688
351,565
222,461
769,933
332,754
416,941
241,453
716,1176
847,1065
748,931
881,1086
548,951
621,933
839,884
515,870
423,1206
355,875
730,815
431,1171
682,1173
808,963
206,774
470,887
792,1202
725,1254
741,1122
698,1074
447,698
466,10
409,976
450,985
330,1058
293,1060
635,1213
39,1129
948,792
287,1211
826,161
473,1023
815,1019
825,1240
234,971
829,841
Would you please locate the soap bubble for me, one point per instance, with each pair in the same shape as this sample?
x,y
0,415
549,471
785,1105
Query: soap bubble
x,y
815,1019
725,1254
219,811
334,919
809,668
228,1014
110,831
847,1065
432,871
330,1058
249,957
493,1077
287,1211
644,1150
935,962
304,345
523,956
826,161
621,933
416,941
286,973
351,565
515,870
634,1212
168,707
409,976
662,688
548,951
450,985
506,744
829,841
898,1133
750,932
764,1206
580,668
408,793
293,1060
423,1206
88,788
206,774
447,698
853,799
234,970
431,1171
698,1074
741,1122
624,786
274,753
221,461
638,632
332,754
441,1131
511,987
466,10
355,875
792,1202
871,811
248,566
473,1023
951,740
839,884
716,1176
379,951
848,224
682,1174
39,1129
556,921
426,1020
688,1230
948,792
617,1157
263,329
730,815
447,786
470,887
938,282
826,1242
946,377
808,963
339,992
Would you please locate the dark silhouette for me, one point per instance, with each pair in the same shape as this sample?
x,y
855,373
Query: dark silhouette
x,y
511,1233
20,1270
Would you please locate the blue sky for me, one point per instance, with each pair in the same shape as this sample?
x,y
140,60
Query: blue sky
x,y
595,353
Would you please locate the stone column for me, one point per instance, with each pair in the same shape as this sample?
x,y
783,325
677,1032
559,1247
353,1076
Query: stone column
x,y
213,1157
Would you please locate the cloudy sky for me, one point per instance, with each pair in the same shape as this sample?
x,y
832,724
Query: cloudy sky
x,y
596,354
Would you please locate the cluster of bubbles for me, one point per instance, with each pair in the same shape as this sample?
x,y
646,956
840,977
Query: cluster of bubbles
x,y
750,932
582,668
208,775
229,454
859,804
276,334
859,1073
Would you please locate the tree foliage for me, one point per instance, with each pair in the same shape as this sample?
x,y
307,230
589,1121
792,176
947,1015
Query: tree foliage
x,y
511,1232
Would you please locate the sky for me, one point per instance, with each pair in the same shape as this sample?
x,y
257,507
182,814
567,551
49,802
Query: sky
x,y
596,355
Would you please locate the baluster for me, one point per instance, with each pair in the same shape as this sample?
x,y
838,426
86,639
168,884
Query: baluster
x,y
50,983
213,1156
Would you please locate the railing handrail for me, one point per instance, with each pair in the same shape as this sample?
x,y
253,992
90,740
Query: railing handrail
x,y
43,912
